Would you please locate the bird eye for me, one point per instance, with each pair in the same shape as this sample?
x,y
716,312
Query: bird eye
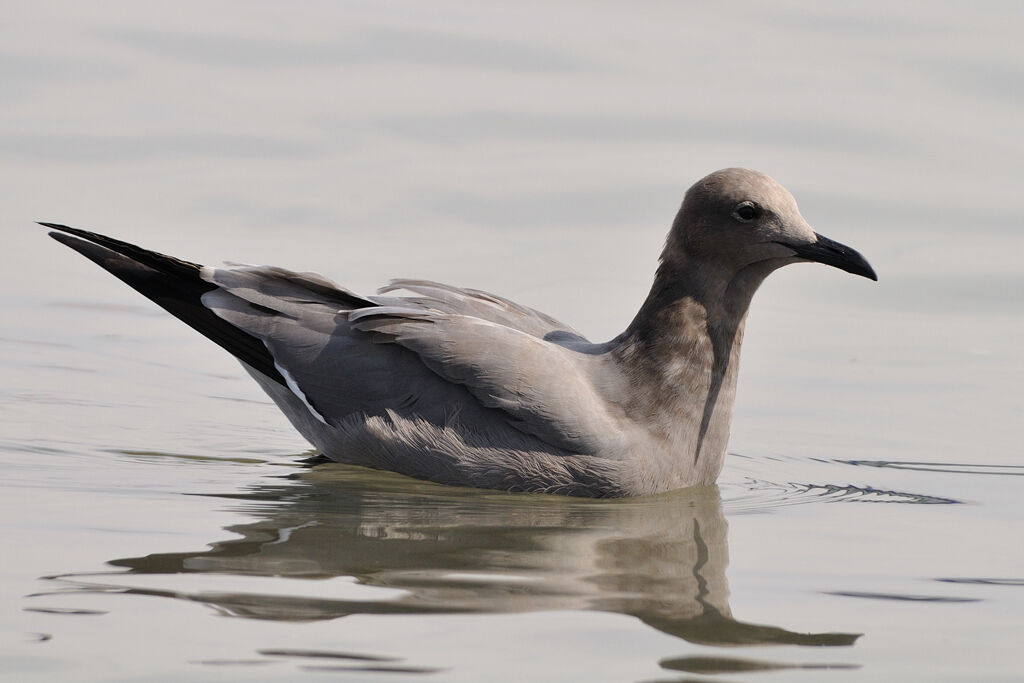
x,y
745,212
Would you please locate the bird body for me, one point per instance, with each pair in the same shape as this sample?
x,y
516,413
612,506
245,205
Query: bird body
x,y
463,387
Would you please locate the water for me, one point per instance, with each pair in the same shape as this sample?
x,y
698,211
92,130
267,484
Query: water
x,y
162,521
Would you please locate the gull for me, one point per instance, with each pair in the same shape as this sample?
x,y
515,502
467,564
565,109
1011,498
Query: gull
x,y
462,387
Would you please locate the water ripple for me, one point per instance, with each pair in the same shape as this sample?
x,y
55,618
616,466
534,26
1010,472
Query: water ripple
x,y
65,610
946,467
760,494
901,597
358,662
985,582
708,666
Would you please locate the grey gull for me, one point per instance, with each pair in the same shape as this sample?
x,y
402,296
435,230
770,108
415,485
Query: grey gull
x,y
459,386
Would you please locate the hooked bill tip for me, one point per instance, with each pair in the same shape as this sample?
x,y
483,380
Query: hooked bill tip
x,y
837,255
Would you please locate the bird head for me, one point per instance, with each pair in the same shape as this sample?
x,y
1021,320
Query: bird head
x,y
737,218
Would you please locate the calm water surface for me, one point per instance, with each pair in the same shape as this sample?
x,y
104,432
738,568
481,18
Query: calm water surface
x,y
161,521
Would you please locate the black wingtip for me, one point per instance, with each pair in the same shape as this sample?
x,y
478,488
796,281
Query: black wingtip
x,y
55,229
93,237
60,227
175,285
66,240
61,233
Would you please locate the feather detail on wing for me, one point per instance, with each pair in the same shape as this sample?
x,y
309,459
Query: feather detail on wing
x,y
283,290
545,389
479,304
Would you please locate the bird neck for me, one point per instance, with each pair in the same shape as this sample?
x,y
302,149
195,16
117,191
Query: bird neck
x,y
685,341
720,296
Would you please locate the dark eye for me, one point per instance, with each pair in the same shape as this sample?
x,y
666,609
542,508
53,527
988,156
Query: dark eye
x,y
746,212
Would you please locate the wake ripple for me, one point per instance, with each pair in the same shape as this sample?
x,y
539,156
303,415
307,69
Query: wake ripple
x,y
760,495
943,467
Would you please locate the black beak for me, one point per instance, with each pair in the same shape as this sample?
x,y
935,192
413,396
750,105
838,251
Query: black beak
x,y
833,253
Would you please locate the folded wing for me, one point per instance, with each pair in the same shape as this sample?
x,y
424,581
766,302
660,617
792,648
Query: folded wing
x,y
444,355
482,305
546,390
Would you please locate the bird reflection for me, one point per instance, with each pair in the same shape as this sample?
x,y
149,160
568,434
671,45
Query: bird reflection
x,y
661,559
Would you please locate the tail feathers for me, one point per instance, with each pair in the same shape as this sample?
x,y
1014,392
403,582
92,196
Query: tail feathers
x,y
174,285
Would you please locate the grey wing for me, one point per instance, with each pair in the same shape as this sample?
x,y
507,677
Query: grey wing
x,y
482,305
335,370
546,390
295,333
404,354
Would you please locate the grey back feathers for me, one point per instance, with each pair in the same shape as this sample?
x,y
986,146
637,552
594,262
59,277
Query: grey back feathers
x,y
463,387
